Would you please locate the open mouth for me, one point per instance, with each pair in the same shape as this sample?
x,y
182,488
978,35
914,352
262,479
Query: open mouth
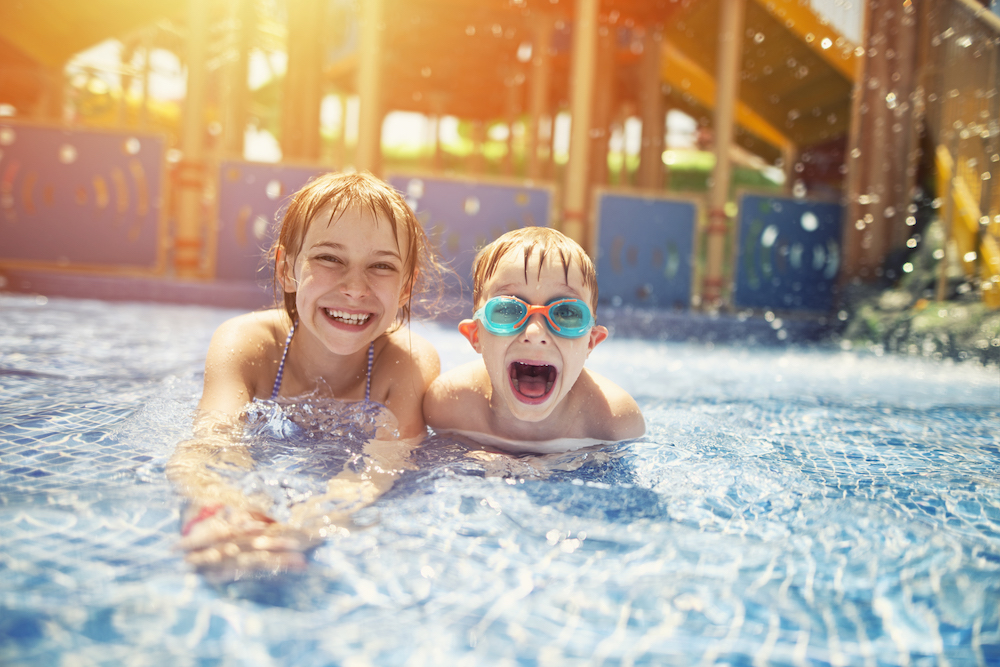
x,y
532,382
353,319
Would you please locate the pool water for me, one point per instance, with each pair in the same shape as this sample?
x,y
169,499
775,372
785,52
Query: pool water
x,y
788,506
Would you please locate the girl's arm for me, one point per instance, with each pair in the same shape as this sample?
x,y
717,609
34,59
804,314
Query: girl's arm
x,y
224,531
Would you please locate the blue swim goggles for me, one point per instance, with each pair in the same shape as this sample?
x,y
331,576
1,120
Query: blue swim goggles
x,y
508,315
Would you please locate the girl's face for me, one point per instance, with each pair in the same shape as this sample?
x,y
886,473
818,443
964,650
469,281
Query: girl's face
x,y
348,279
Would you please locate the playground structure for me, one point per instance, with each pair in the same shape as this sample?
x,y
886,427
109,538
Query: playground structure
x,y
842,115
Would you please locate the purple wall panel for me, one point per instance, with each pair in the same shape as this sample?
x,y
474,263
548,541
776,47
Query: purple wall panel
x,y
81,197
252,198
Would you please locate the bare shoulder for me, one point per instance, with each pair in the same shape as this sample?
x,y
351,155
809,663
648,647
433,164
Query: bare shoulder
x,y
613,413
241,360
459,399
250,331
409,353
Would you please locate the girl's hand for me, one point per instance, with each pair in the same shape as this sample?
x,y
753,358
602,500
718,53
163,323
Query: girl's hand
x,y
228,543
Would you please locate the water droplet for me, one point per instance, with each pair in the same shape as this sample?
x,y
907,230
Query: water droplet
x,y
273,189
809,221
67,154
769,236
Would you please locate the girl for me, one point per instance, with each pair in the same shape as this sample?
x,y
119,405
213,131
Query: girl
x,y
350,259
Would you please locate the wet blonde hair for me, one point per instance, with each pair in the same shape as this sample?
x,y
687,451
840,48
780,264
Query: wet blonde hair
x,y
335,194
527,241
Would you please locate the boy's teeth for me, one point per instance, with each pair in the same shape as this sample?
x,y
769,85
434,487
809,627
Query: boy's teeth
x,y
537,380
347,318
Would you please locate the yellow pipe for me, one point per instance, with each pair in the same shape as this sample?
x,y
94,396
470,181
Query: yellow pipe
x,y
683,73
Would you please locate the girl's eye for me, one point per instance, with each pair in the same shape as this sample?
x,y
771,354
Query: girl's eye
x,y
381,266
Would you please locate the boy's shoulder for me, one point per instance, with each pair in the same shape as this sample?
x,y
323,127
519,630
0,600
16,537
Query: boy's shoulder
x,y
611,412
459,398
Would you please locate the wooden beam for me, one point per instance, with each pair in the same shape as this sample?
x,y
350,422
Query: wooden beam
x,y
820,37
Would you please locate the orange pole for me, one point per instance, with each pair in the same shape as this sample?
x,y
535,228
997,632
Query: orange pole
x,y
191,171
541,77
370,87
653,118
730,52
581,108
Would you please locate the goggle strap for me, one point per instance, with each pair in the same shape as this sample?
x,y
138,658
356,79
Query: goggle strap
x,y
544,310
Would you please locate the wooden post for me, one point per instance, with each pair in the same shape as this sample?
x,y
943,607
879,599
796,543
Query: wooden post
x,y
147,50
191,171
882,141
653,119
581,107
605,78
370,87
300,137
727,85
541,81
238,99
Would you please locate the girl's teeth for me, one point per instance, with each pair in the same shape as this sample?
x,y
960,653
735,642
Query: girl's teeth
x,y
348,318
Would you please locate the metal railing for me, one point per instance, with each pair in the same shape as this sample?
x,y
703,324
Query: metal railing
x,y
962,96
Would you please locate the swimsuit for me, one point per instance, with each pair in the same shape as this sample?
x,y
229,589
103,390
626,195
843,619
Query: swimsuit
x,y
281,367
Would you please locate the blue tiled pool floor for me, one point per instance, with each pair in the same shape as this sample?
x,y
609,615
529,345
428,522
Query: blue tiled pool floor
x,y
787,506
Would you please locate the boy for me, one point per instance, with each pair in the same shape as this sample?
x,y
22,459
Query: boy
x,y
534,294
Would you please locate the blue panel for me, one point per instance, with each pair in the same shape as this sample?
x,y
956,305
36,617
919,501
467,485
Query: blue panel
x,y
788,253
81,197
644,250
462,216
252,198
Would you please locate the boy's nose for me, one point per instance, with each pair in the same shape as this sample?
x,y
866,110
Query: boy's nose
x,y
536,330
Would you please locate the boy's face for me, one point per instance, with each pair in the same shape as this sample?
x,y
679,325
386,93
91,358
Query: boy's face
x,y
533,370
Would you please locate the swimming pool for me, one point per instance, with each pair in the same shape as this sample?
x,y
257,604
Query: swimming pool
x,y
788,506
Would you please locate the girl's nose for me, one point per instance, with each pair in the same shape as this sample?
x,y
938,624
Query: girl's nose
x,y
355,284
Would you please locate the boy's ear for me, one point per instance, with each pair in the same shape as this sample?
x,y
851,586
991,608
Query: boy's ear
x,y
286,277
470,329
597,336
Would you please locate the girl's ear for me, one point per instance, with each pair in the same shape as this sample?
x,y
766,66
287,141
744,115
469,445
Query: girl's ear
x,y
285,273
470,329
407,291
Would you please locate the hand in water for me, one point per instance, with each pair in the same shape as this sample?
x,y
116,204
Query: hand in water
x,y
228,543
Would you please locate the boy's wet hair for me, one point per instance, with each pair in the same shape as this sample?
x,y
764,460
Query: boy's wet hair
x,y
336,193
527,241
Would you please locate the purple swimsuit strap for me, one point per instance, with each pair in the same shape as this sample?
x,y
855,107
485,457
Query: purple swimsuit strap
x,y
284,355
